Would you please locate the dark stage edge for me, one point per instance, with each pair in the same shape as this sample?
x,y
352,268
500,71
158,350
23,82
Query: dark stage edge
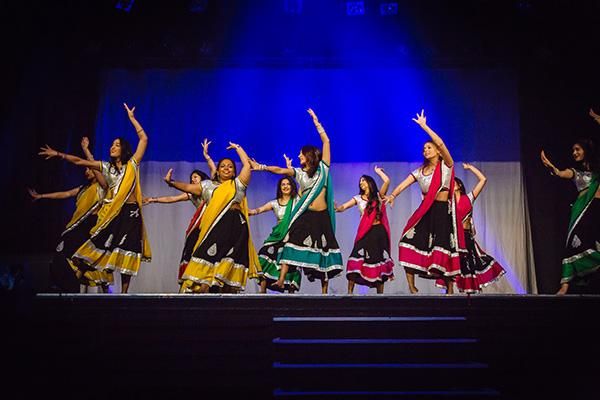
x,y
302,346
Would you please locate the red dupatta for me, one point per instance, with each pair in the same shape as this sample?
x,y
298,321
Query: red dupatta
x,y
367,219
434,188
195,221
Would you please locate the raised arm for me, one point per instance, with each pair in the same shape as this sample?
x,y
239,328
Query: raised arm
x,y
349,204
564,174
326,151
55,195
212,168
85,146
193,188
166,199
264,208
421,120
246,171
142,137
386,181
482,180
49,152
271,168
399,189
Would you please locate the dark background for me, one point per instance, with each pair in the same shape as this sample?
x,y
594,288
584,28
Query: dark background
x,y
53,54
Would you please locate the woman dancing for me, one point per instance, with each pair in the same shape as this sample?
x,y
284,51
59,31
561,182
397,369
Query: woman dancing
x,y
308,234
223,257
88,201
477,269
193,229
582,253
370,263
432,238
118,241
282,205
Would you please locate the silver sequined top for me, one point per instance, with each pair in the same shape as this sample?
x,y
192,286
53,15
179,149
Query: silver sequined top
x,y
279,209
113,175
209,186
304,181
424,181
196,200
582,179
361,203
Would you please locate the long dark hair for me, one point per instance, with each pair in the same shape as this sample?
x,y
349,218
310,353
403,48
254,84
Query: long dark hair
x,y
590,154
201,174
216,174
126,153
313,156
461,186
373,202
294,187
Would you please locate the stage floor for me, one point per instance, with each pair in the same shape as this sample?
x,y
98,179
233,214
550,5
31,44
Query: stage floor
x,y
305,346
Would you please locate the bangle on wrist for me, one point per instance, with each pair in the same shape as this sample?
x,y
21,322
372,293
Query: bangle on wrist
x,y
139,130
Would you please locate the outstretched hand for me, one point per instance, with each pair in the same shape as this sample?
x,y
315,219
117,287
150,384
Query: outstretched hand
x,y
288,161
467,166
34,195
545,160
169,176
233,146
205,144
313,115
254,165
421,119
129,111
378,170
48,152
594,115
389,199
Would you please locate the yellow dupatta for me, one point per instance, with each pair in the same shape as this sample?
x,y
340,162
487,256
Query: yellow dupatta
x,y
87,202
130,183
218,205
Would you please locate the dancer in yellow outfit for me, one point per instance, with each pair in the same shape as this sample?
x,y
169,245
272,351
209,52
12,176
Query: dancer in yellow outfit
x,y
118,240
224,256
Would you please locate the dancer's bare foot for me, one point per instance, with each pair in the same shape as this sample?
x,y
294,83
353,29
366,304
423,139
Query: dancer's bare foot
x,y
413,289
564,288
279,283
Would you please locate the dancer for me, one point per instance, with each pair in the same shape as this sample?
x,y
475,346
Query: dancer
x,y
282,205
477,269
193,229
64,273
224,256
118,241
582,253
308,234
432,238
370,263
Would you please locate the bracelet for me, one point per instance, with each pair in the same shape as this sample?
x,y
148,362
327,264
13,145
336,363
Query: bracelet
x,y
392,195
263,167
139,130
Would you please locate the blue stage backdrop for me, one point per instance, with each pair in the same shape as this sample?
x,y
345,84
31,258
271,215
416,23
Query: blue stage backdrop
x,y
367,114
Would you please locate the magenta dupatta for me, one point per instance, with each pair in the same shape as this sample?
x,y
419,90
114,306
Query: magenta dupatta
x,y
367,219
434,189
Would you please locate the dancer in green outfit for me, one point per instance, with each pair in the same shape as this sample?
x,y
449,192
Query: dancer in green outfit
x,y
582,253
308,232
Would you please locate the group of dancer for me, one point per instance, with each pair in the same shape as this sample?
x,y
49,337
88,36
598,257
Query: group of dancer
x,y
107,234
